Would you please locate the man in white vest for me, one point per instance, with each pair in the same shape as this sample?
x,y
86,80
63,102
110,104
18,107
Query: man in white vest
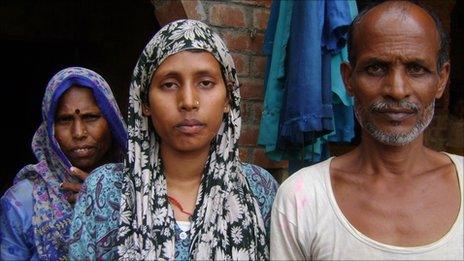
x,y
391,198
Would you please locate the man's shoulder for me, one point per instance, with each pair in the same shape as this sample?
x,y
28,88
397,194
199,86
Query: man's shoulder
x,y
306,178
458,162
455,158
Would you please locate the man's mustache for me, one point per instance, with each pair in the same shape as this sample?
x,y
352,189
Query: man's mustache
x,y
382,106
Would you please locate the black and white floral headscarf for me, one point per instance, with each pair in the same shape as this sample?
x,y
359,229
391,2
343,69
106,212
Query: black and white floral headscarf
x,y
227,223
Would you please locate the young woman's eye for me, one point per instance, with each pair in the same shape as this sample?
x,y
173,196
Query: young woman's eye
x,y
206,84
169,85
375,70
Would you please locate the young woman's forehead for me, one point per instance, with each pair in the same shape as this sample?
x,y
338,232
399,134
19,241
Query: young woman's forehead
x,y
192,62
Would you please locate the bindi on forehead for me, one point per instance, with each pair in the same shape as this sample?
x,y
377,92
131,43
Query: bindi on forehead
x,y
77,111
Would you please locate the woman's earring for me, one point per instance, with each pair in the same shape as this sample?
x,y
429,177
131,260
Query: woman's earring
x,y
146,111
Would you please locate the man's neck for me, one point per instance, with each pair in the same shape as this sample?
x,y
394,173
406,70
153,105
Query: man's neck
x,y
376,157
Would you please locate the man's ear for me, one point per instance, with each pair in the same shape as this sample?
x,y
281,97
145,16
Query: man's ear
x,y
443,79
346,70
146,110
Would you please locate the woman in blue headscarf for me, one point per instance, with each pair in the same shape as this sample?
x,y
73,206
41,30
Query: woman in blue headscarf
x,y
82,129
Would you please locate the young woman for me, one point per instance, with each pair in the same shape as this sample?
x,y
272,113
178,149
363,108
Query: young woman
x,y
82,129
184,194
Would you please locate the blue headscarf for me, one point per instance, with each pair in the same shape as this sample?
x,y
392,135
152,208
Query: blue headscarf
x,y
52,212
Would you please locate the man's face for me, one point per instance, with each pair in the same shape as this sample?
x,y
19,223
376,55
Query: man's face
x,y
395,79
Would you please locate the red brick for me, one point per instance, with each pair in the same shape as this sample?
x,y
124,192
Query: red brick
x,y
257,43
257,112
260,159
258,66
265,3
245,111
168,11
194,10
242,64
249,135
237,41
252,89
227,15
260,18
251,112
243,153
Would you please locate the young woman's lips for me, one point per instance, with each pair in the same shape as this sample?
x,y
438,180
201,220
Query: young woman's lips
x,y
82,152
190,126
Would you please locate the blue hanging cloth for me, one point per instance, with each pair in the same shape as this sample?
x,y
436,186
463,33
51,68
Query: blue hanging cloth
x,y
342,103
301,41
275,47
318,29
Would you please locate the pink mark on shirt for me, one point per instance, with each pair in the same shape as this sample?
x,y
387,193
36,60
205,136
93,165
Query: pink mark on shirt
x,y
299,184
301,202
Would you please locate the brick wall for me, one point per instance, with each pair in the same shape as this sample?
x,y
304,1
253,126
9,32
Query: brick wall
x,y
242,25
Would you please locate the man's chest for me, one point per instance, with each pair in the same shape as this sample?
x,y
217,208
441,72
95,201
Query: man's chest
x,y
409,215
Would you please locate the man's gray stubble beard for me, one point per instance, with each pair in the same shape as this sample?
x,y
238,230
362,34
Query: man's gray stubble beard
x,y
396,139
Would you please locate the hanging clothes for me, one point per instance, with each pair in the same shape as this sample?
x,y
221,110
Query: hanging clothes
x,y
275,47
342,103
298,112
318,28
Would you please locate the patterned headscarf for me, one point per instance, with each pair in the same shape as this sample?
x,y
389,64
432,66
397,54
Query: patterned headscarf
x,y
52,212
226,223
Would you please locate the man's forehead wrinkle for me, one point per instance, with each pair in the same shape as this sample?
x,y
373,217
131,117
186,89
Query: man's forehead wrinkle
x,y
398,30
393,45
387,17
391,56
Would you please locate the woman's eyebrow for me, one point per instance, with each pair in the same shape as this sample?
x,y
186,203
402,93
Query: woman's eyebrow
x,y
170,73
199,72
207,72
